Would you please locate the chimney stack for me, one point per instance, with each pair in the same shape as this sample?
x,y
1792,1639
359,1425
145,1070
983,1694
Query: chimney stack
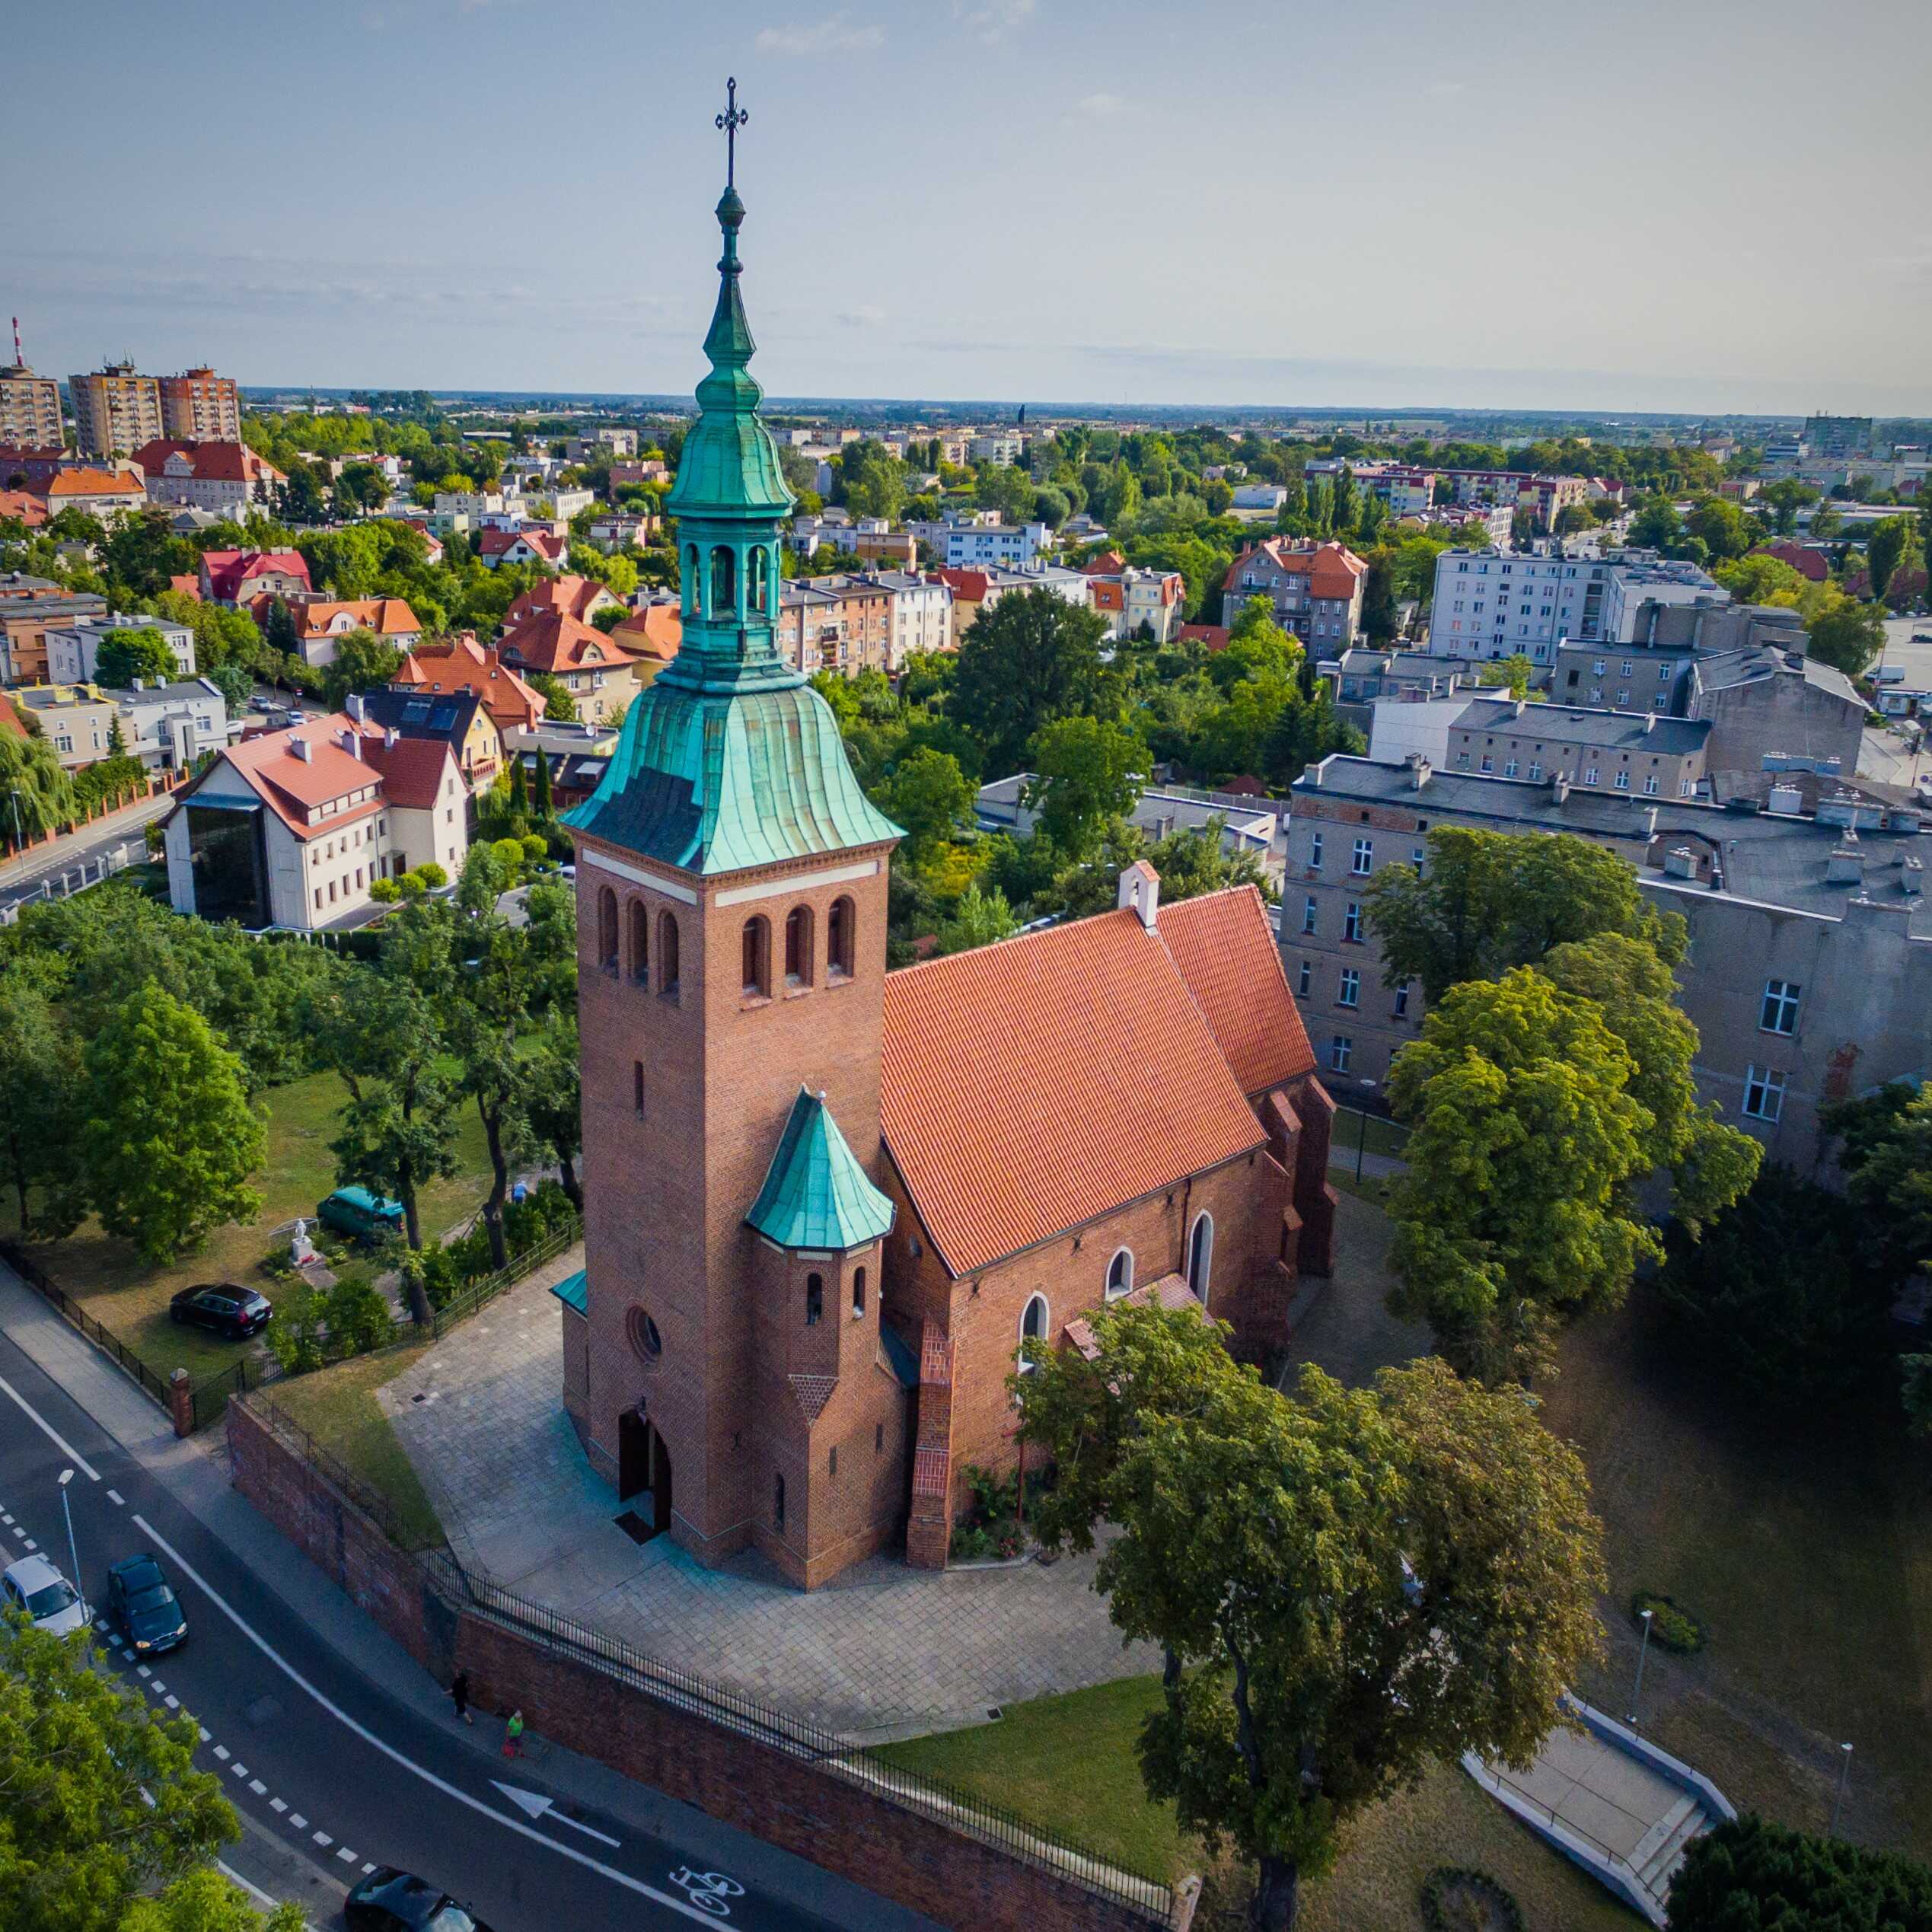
x,y
1140,887
1560,788
298,747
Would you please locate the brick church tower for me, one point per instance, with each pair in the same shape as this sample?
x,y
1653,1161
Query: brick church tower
x,y
726,1367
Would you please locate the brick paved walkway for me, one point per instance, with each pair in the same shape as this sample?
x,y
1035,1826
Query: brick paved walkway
x,y
884,1651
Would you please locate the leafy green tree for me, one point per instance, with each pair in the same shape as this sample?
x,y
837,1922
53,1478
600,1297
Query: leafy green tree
x,y
140,553
559,704
979,918
1656,526
127,655
1848,635
1513,673
1347,1586
362,662
170,1138
1487,901
1516,1206
932,798
278,631
100,1800
1785,1295
1759,578
1749,1873
204,1900
40,1107
1889,555
1086,773
1723,528
555,1098
1887,1162
500,996
1030,659
38,793
236,686
1378,595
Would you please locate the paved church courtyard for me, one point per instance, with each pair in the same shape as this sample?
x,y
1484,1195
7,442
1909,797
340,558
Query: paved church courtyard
x,y
883,1651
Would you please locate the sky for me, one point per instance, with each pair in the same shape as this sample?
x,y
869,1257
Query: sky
x,y
1698,205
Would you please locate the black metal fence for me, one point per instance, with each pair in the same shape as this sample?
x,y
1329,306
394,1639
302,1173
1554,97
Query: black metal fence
x,y
466,1300
459,1587
109,1344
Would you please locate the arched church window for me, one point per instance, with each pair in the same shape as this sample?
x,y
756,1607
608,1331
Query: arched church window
x,y
1200,1254
757,948
667,955
1120,1272
815,1299
606,930
759,569
693,583
858,1293
798,946
724,581
839,925
640,943
1033,1327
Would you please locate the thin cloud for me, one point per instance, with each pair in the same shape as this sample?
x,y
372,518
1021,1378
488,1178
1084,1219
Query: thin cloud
x,y
1100,106
836,33
994,20
867,315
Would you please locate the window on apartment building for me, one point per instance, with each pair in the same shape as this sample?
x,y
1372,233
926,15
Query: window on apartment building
x,y
318,896
1302,978
1352,921
1627,669
1622,781
1462,761
1363,862
1350,994
1590,774
1764,1093
1315,851
1488,763
1598,667
1779,1014
1402,999
1623,697
1341,1050
1650,783
1535,771
1508,768
1688,789
1309,911
1663,671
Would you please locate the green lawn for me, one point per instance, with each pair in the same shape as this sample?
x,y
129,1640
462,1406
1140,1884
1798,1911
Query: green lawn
x,y
1372,1132
130,1297
1066,1762
338,1408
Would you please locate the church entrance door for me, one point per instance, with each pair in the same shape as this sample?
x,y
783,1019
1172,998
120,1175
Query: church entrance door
x,y
660,1481
634,1436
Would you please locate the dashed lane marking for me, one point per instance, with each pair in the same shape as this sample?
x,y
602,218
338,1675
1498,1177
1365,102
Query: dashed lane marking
x,y
204,1731
323,1839
221,1752
141,1670
53,1435
347,1857
277,1806
115,1496
297,1822
682,1907
172,1701
255,1785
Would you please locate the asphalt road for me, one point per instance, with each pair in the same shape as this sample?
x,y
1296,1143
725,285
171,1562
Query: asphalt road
x,y
43,880
322,1758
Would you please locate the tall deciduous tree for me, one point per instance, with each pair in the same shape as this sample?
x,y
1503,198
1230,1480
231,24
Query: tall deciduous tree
x,y
141,652
1485,901
1516,1204
1085,771
1886,551
1848,635
1749,1873
40,1109
170,1138
931,797
554,1096
1030,659
362,662
1347,1587
100,1800
37,794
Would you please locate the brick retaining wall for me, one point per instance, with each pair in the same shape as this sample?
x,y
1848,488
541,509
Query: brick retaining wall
x,y
820,1814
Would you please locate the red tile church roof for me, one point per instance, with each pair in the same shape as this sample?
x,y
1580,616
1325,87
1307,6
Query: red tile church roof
x,y
1033,1086
1227,953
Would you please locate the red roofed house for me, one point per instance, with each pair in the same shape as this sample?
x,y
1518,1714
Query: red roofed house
x,y
580,597
291,829
495,546
100,493
22,506
826,1205
1208,637
319,623
466,665
1813,564
1316,589
600,673
227,478
188,585
1137,602
653,631
238,578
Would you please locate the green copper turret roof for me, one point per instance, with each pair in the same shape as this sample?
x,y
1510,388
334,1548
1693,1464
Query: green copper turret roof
x,y
730,759
816,1194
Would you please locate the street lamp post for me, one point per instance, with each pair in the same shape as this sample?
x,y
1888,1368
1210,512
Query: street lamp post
x,y
1643,1651
20,840
1362,1133
66,1510
1845,1777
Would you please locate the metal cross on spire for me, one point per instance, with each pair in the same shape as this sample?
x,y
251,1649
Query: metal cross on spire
x,y
730,120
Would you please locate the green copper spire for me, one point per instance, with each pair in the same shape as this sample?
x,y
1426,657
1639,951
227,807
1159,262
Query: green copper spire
x,y
730,759
816,1194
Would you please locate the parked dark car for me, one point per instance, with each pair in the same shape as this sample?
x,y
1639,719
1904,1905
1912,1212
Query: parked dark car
x,y
141,1601
233,1312
391,1901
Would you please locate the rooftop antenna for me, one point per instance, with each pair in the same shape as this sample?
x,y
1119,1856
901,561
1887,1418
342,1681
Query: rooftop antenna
x,y
20,360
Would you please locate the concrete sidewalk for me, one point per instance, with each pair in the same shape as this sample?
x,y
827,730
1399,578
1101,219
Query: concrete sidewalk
x,y
70,847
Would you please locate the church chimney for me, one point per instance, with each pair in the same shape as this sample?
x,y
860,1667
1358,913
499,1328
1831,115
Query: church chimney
x,y
1140,887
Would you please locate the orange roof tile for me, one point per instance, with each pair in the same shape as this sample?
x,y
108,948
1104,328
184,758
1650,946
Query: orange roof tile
x,y
95,482
466,665
578,596
388,616
554,641
657,630
1225,947
289,785
1033,1086
22,506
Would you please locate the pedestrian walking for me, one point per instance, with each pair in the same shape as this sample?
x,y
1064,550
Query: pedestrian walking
x,y
513,1735
459,1692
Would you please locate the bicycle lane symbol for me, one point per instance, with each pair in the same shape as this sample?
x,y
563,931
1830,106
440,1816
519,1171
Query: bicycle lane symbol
x,y
708,1890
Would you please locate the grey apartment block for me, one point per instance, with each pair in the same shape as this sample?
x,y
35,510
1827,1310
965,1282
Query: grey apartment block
x,y
1809,972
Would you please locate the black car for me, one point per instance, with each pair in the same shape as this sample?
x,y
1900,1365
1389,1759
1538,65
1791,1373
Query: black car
x,y
140,1601
235,1313
391,1901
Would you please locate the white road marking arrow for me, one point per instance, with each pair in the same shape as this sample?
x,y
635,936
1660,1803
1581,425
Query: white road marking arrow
x,y
534,1804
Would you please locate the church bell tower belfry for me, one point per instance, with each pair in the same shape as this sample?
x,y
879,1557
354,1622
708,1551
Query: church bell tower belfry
x,y
727,1358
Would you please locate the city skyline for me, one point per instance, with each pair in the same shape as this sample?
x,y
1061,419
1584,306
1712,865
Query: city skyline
x,y
999,201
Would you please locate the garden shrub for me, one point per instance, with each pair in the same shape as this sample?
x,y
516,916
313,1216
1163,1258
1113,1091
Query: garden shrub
x,y
1671,1625
1459,1899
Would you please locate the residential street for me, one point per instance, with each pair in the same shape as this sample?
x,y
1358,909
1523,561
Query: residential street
x,y
331,1742
38,873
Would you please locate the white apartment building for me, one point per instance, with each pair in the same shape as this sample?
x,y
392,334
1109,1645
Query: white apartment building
x,y
964,545
1498,603
74,647
922,613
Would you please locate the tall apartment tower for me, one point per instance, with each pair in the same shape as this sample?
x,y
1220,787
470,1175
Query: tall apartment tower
x,y
724,1343
114,409
29,405
201,407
